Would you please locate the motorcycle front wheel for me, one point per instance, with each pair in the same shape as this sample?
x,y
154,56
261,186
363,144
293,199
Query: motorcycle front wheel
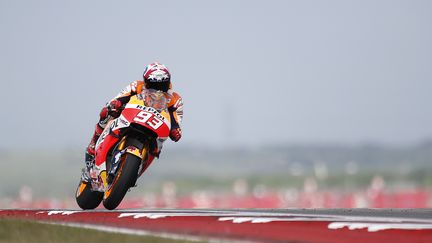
x,y
125,178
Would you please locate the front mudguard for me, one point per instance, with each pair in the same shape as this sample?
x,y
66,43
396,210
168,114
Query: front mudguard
x,y
137,152
130,150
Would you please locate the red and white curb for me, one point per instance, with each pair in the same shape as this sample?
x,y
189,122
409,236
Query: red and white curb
x,y
258,226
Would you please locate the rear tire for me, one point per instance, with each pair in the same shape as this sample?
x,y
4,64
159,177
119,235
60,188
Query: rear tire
x,y
124,179
86,198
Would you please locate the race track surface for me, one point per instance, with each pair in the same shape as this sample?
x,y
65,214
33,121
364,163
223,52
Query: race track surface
x,y
278,225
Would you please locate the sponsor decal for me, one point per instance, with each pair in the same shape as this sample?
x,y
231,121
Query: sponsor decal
x,y
149,109
114,125
124,122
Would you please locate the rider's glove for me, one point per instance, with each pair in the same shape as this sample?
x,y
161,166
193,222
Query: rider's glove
x,y
114,108
175,134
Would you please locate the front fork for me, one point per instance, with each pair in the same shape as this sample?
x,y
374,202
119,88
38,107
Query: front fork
x,y
121,149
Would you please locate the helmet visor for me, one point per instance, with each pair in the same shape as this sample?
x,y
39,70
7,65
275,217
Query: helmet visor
x,y
162,86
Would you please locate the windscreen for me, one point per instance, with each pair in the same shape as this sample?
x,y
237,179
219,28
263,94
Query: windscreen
x,y
155,98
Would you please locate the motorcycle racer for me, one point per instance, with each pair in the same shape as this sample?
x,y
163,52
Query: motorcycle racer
x,y
157,77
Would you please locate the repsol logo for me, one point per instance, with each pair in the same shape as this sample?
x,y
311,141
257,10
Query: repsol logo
x,y
151,110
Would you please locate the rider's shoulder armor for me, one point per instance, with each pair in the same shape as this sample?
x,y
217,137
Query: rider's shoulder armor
x,y
176,100
137,86
133,88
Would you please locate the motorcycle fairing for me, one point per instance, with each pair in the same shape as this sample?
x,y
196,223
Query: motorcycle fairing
x,y
135,112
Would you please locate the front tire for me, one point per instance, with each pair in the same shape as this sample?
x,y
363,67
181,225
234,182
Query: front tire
x,y
86,198
125,178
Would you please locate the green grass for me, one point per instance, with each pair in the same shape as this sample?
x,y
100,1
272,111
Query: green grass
x,y
19,231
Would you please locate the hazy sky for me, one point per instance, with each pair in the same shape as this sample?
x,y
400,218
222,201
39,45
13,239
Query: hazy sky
x,y
250,72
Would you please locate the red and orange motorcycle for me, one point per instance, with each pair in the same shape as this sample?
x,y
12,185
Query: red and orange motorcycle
x,y
126,149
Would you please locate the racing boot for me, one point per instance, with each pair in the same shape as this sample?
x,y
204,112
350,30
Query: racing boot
x,y
90,154
89,162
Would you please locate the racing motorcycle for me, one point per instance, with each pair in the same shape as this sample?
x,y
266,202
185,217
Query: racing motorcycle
x,y
126,149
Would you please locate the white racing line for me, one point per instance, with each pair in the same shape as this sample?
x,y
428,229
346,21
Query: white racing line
x,y
372,224
157,213
371,227
60,212
374,227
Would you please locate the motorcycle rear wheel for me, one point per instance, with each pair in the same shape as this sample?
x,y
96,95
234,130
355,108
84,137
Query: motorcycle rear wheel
x,y
87,198
125,178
